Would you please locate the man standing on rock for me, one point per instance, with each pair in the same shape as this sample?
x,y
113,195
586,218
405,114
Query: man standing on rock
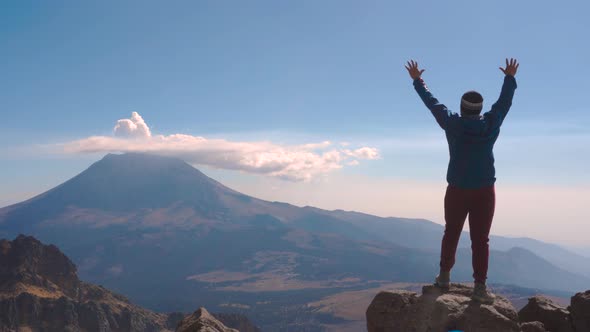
x,y
471,174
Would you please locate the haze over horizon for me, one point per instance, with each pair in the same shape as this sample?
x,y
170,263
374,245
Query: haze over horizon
x,y
306,103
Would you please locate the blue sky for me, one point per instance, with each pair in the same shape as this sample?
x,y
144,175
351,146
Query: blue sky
x,y
304,72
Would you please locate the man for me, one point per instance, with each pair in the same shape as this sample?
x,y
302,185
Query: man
x,y
471,174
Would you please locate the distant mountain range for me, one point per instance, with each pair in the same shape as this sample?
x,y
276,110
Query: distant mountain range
x,y
171,238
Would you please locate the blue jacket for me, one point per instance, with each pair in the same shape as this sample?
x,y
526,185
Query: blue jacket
x,y
471,141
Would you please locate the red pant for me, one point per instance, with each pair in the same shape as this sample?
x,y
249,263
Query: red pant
x,y
479,204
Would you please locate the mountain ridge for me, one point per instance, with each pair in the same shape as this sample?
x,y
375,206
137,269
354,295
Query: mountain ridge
x,y
156,190
499,242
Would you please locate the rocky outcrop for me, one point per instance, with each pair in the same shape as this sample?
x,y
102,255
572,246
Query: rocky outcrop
x,y
554,317
64,314
434,310
230,320
40,291
26,261
533,327
236,321
580,311
202,321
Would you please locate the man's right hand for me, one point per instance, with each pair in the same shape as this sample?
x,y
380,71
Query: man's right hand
x,y
511,67
413,70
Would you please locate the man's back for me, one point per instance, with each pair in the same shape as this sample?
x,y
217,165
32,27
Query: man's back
x,y
471,139
471,162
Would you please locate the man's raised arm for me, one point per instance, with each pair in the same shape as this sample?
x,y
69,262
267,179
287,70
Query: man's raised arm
x,y
501,107
438,110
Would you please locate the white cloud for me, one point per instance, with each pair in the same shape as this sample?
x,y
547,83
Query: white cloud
x,y
363,153
133,127
292,162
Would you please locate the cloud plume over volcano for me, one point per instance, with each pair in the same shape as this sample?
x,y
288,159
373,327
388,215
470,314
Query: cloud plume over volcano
x,y
291,162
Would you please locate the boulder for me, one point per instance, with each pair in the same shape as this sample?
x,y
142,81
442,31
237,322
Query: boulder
x,y
553,316
580,311
437,310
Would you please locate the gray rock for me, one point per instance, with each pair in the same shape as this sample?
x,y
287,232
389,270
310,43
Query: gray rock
x,y
554,317
580,311
435,310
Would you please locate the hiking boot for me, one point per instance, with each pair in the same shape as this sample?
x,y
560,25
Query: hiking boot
x,y
481,294
443,280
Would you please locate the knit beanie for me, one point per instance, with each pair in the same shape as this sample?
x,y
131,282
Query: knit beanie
x,y
471,103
